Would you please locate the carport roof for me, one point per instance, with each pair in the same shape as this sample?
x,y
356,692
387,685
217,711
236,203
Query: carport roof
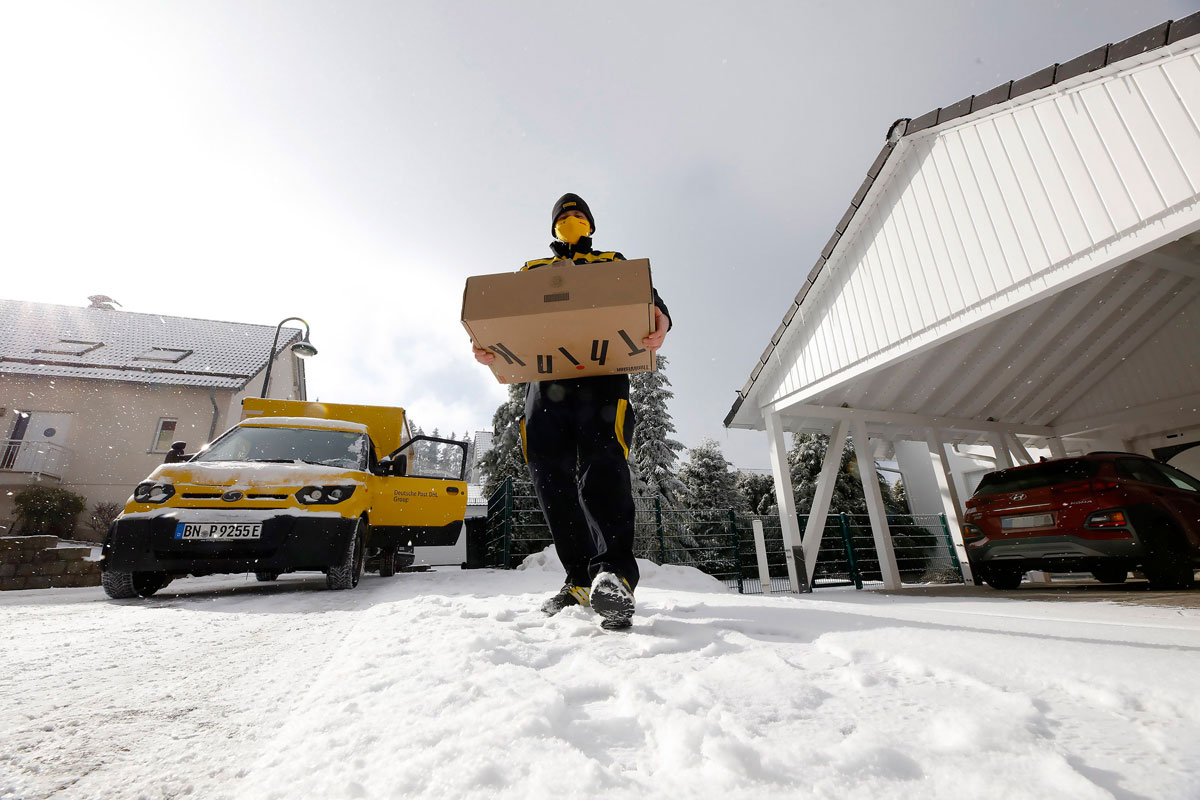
x,y
1159,36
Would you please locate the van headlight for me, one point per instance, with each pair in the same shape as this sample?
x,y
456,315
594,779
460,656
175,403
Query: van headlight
x,y
151,492
323,495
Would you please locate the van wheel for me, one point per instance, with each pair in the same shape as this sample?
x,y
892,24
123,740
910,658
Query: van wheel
x,y
347,574
387,562
123,585
265,577
1109,573
1003,579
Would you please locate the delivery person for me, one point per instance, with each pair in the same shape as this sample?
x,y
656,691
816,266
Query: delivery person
x,y
583,427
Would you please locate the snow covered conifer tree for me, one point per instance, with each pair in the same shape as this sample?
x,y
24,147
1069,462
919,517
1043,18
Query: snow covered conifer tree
x,y
653,454
708,480
506,458
709,492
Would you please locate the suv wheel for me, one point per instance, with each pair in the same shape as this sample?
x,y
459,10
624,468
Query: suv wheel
x,y
1168,563
266,576
1003,579
123,585
347,574
1110,573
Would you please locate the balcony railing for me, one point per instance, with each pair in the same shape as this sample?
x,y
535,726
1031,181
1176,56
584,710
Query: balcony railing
x,y
33,458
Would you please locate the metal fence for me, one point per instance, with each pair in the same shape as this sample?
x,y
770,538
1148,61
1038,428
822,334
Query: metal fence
x,y
720,542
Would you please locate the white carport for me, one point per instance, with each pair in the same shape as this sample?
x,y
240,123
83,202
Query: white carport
x,y
1019,269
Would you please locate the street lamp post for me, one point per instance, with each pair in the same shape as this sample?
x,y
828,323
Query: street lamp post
x,y
303,348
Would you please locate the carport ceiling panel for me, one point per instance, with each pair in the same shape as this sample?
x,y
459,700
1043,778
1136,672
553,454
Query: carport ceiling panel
x,y
1113,349
1166,365
1062,326
1109,327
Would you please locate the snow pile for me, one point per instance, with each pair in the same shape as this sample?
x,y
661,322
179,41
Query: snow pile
x,y
451,684
667,576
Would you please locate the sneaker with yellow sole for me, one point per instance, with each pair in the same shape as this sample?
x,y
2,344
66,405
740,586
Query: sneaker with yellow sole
x,y
612,599
568,595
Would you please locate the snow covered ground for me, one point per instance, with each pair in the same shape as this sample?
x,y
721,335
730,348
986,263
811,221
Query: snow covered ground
x,y
450,684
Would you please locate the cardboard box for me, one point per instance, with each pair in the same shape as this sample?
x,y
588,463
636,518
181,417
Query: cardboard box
x,y
563,320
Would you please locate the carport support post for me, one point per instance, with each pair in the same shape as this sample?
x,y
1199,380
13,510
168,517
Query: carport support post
x,y
1018,449
784,494
949,494
1000,449
879,525
760,550
814,528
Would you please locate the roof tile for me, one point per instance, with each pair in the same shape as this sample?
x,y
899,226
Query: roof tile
x,y
1082,64
791,312
775,337
991,97
880,159
1183,28
1034,81
827,251
955,110
844,222
922,122
1139,43
861,194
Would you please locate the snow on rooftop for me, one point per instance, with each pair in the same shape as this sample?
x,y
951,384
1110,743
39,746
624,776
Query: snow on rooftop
x,y
305,422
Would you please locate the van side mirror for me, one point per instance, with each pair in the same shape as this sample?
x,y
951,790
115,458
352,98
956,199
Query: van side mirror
x,y
393,466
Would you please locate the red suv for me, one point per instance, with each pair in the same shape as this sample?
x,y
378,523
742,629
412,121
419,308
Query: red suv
x,y
1104,513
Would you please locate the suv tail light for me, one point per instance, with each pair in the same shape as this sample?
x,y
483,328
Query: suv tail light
x,y
1107,519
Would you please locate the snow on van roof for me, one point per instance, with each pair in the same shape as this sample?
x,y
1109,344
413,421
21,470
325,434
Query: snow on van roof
x,y
306,422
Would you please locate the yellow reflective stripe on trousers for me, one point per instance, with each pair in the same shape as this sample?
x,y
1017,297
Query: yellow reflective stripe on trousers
x,y
524,447
620,425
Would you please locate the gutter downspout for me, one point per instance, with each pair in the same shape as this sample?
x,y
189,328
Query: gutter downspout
x,y
212,398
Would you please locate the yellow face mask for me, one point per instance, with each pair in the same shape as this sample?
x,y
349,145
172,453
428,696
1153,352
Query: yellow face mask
x,y
571,229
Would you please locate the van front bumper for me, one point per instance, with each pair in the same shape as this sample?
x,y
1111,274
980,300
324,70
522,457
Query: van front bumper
x,y
148,543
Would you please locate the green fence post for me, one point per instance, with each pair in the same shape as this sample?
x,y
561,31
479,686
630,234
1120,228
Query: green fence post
x,y
658,526
508,504
950,544
853,562
737,548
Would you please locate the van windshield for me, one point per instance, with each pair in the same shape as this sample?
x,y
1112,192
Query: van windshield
x,y
1037,476
287,445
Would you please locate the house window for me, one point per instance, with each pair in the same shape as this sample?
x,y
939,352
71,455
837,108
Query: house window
x,y
165,435
69,347
168,355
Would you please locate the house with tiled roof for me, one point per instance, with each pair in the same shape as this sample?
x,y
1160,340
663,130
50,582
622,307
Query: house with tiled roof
x,y
91,399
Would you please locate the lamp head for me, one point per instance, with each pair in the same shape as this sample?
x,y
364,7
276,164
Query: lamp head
x,y
304,348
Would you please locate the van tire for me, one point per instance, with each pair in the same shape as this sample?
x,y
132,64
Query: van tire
x,y
124,585
265,577
387,562
347,574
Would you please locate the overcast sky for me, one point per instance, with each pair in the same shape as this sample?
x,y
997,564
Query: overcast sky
x,y
353,162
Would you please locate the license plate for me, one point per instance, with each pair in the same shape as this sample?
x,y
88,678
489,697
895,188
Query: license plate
x,y
218,530
1027,521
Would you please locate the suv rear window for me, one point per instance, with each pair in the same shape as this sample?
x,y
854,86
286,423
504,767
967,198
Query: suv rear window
x,y
1037,476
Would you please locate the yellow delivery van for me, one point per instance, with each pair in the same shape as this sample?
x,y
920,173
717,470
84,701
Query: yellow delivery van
x,y
293,486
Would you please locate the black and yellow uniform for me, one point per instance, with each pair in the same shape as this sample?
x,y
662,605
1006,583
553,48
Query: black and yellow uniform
x,y
576,435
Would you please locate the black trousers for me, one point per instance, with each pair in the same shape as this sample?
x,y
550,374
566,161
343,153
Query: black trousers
x,y
576,435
